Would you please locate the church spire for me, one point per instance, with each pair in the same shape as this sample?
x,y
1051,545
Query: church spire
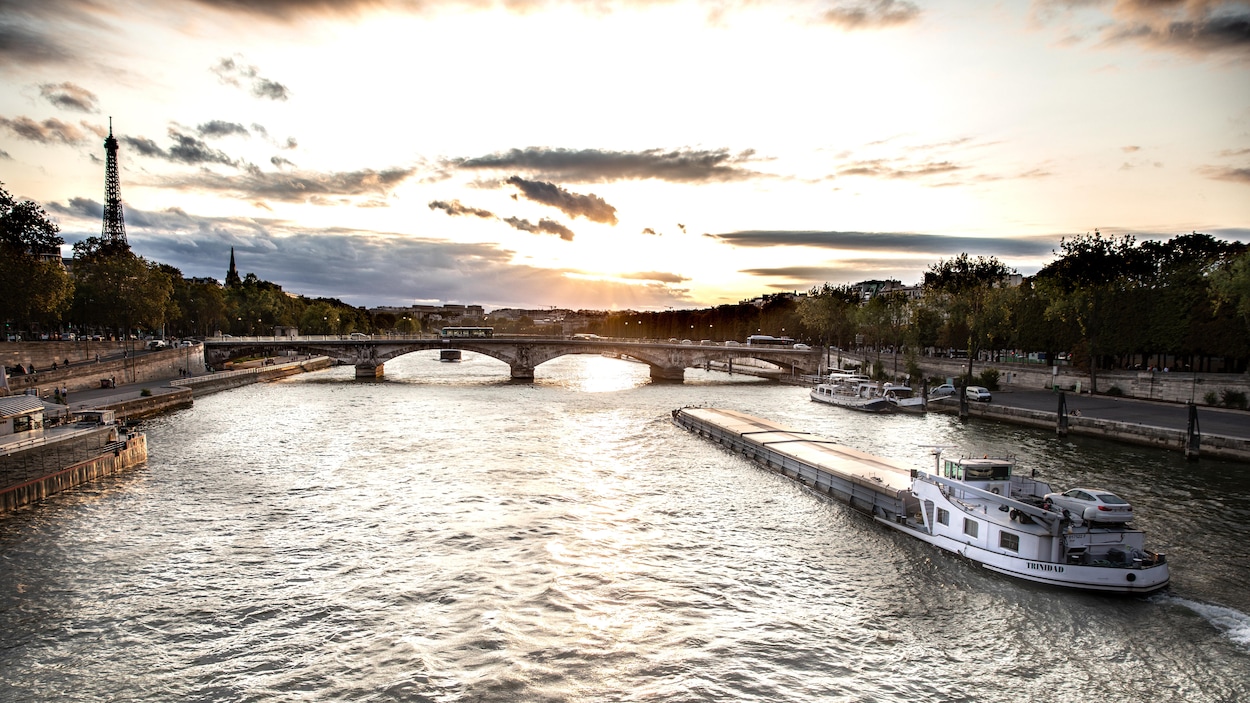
x,y
232,275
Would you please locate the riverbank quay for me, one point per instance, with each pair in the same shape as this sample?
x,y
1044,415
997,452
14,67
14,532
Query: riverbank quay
x,y
1223,433
39,464
64,457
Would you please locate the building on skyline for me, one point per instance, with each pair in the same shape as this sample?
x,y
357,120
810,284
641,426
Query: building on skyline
x,y
232,273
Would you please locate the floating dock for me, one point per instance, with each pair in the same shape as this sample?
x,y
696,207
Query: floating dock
x,y
872,484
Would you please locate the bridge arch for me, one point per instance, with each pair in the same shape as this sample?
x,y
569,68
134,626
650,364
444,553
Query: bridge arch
x,y
523,355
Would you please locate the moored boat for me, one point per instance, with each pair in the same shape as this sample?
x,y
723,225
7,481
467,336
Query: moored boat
x,y
854,392
903,399
974,507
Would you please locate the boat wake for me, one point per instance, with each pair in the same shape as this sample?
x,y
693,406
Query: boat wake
x,y
1232,623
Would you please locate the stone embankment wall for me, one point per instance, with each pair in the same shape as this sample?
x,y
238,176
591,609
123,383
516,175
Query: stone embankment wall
x,y
78,376
1216,446
1177,386
33,475
225,380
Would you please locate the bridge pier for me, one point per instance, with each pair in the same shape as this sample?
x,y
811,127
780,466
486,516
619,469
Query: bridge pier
x,y
522,372
369,369
668,373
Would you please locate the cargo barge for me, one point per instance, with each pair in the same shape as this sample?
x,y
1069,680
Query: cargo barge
x,y
973,506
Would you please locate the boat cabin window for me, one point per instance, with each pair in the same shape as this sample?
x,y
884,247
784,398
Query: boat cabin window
x,y
977,470
1009,541
944,516
971,527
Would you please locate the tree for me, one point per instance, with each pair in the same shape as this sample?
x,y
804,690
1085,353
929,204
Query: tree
x,y
34,285
829,313
1085,284
118,289
962,286
1230,285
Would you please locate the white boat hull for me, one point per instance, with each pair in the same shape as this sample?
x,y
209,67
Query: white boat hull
x,y
1090,578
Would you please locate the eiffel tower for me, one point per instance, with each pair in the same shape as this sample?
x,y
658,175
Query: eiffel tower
x,y
114,224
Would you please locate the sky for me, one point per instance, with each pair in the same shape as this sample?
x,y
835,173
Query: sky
x,y
624,154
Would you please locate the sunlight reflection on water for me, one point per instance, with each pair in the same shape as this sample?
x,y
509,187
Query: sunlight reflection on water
x,y
448,534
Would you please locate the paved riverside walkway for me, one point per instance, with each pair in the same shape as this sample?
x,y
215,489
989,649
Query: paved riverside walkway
x,y
1149,413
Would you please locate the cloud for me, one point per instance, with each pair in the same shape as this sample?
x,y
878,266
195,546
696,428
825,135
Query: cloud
x,y
544,226
1196,27
1225,173
328,262
599,166
21,44
280,162
186,149
68,96
659,276
880,168
648,230
4,155
234,72
221,128
454,207
49,131
912,244
870,14
297,186
592,207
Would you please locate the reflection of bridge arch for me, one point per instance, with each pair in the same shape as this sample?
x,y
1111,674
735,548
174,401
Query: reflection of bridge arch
x,y
522,355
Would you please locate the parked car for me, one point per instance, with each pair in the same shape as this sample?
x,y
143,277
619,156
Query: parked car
x,y
802,347
157,344
733,343
978,393
945,390
1092,504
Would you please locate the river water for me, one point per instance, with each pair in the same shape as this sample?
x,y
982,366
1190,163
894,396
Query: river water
x,y
448,535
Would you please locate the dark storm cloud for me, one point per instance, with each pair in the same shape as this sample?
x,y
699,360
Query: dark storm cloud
x,y
68,96
910,243
231,70
598,166
221,128
870,14
455,207
592,207
299,186
544,226
50,131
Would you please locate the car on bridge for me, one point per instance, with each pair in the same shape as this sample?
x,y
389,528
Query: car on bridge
x,y
802,347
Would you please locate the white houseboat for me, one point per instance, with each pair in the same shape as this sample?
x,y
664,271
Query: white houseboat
x,y
854,392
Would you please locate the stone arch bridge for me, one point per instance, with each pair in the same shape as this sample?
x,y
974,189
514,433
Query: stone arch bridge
x,y
668,360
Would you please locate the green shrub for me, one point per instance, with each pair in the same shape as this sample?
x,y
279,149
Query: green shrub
x,y
1115,390
989,379
145,392
1210,398
1233,399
